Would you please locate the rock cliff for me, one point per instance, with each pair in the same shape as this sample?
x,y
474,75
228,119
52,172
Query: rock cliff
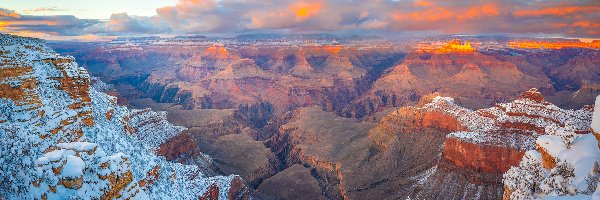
x,y
69,140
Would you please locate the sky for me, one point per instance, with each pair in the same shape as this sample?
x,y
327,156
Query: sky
x,y
85,9
96,20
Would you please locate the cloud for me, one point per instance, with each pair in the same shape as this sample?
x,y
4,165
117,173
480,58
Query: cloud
x,y
374,24
4,13
66,25
557,11
44,9
512,17
122,23
558,17
195,16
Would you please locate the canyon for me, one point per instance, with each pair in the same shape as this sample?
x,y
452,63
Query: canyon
x,y
305,117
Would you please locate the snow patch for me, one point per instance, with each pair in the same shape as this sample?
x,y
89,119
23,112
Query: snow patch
x,y
596,116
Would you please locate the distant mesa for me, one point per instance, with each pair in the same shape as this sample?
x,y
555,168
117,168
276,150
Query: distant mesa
x,y
333,49
217,51
454,46
553,44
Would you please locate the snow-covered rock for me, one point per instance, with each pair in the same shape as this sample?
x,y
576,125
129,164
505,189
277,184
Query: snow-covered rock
x,y
515,124
565,166
61,138
596,116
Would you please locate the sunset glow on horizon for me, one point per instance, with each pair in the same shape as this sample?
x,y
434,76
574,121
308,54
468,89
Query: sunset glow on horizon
x,y
68,19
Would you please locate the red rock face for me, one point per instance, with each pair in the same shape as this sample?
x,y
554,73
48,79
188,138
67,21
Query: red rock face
x,y
533,94
177,146
237,191
410,118
481,157
522,126
211,194
151,177
502,145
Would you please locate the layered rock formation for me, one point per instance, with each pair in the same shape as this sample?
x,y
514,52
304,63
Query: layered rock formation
x,y
498,137
454,46
436,150
230,142
573,43
201,77
476,79
350,79
62,138
564,163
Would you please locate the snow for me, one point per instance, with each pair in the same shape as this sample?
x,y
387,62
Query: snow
x,y
73,168
575,176
581,155
489,126
79,146
551,143
53,155
574,197
39,133
422,178
596,116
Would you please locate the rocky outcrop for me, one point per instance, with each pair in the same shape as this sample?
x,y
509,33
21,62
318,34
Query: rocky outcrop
x,y
495,148
481,157
48,100
410,119
69,140
478,146
564,164
68,164
177,147
237,191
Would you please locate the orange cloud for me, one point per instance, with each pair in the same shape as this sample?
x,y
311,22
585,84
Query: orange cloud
x,y
485,10
432,12
32,22
557,11
586,24
9,14
560,17
422,4
304,10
